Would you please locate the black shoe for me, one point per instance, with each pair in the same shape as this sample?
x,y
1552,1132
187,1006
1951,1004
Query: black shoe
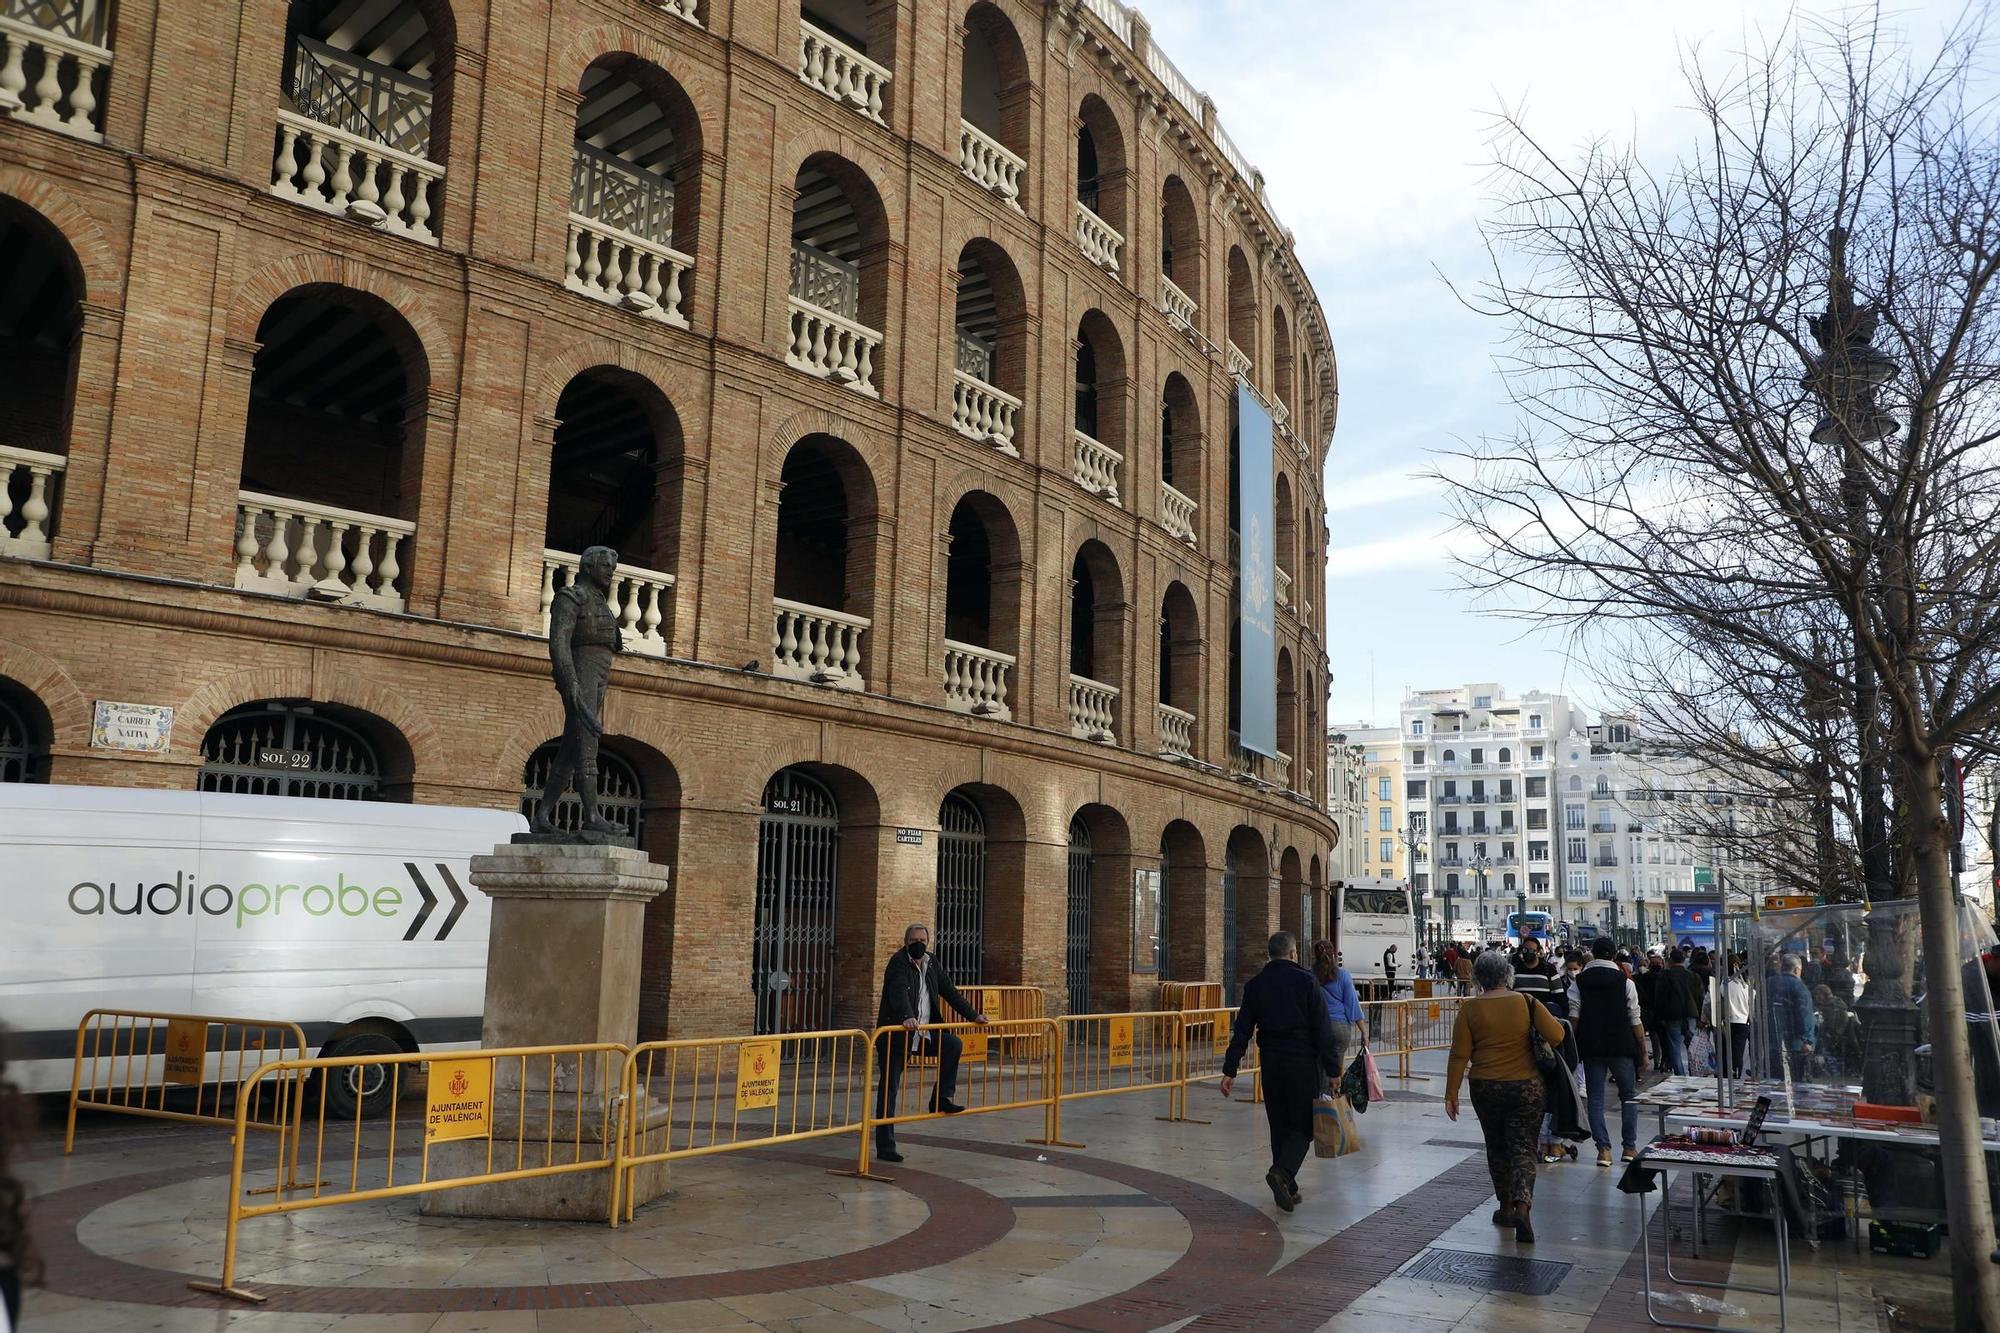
x,y
1281,1189
945,1106
1524,1230
888,1154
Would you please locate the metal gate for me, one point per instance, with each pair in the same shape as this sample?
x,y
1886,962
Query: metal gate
x,y
798,843
21,758
1077,971
620,796
960,937
288,749
1306,935
1229,965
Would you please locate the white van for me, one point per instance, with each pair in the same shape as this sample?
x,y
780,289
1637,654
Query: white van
x,y
355,919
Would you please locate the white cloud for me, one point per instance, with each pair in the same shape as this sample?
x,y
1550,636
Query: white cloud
x,y
1406,551
1373,489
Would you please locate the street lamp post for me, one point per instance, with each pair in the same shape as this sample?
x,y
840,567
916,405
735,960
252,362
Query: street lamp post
x,y
1410,838
1481,867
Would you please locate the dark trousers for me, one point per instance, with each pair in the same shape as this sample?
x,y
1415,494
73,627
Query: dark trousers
x,y
892,1050
1510,1116
1289,1089
1739,1050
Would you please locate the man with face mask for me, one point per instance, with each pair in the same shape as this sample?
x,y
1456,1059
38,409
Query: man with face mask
x,y
914,993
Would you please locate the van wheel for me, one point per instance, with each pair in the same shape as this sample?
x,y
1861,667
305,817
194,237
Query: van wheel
x,y
368,1086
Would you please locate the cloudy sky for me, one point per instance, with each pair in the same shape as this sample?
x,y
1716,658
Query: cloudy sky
x,y
1369,122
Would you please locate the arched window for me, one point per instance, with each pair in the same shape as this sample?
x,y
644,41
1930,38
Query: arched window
x,y
995,104
1096,643
1180,252
1506,755
1100,184
1180,672
39,339
981,607
839,274
621,797
960,937
1099,445
847,51
24,736
1180,458
824,585
791,971
634,183
989,358
293,747
1242,316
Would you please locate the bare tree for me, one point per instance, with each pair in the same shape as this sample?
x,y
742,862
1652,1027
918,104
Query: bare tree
x,y
1716,458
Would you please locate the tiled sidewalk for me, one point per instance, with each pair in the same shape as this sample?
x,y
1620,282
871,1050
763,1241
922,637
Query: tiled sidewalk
x,y
1151,1226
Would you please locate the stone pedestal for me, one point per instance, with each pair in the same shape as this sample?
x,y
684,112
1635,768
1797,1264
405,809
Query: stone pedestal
x,y
562,969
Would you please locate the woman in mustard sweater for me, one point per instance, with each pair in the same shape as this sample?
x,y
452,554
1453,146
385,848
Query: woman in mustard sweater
x,y
1490,1041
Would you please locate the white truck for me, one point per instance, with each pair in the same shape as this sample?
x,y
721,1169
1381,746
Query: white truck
x,y
356,920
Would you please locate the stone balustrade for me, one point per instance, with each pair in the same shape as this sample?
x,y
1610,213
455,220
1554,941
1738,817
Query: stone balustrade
x,y
1177,514
1095,466
295,548
816,644
336,172
1246,765
26,531
683,9
1284,587
1176,733
1176,304
1099,239
983,413
1238,360
989,164
975,680
840,71
1281,771
616,266
832,347
1093,709
49,77
639,599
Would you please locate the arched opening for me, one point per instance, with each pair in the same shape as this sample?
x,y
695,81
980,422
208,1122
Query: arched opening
x,y
1288,716
824,583
959,932
1180,457
1076,917
1286,537
847,49
1281,363
1181,668
1100,440
1294,908
361,77
621,797
614,480
1320,926
982,607
333,451
24,735
635,181
300,747
798,874
994,103
1096,642
1248,919
839,274
40,333
1242,317
1187,928
1100,183
1180,252
989,353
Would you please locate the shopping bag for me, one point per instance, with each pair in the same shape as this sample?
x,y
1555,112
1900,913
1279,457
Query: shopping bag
x,y
1701,1051
1354,1086
1334,1134
1374,1075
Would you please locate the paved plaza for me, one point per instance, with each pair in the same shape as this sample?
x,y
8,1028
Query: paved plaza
x,y
1151,1225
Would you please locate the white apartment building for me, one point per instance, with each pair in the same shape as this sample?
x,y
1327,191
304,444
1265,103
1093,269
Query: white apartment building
x,y
1346,787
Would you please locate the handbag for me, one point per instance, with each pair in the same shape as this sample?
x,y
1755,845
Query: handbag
x,y
1334,1132
1374,1074
1547,1058
1354,1086
1701,1050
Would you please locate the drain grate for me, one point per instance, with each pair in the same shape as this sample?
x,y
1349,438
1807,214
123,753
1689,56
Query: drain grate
x,y
1488,1272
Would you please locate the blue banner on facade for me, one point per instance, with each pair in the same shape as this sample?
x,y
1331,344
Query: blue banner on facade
x,y
1256,579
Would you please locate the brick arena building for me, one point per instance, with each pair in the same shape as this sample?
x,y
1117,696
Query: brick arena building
x,y
892,343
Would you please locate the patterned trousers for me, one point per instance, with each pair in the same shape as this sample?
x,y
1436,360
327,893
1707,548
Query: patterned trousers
x,y
1510,1118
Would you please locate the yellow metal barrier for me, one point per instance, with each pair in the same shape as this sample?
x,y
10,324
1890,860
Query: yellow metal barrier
x,y
1003,1066
128,1060
1190,995
706,1095
520,1112
1398,1029
1204,1041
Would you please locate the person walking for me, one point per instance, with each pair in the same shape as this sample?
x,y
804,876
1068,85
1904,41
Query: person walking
x,y
1490,1042
1736,1012
1611,1037
1296,1048
1343,1002
1647,980
1791,1019
914,993
1676,1006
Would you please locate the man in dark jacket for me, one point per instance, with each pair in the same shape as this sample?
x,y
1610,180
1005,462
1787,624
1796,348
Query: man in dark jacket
x,y
1610,1035
914,993
1284,1005
1676,1005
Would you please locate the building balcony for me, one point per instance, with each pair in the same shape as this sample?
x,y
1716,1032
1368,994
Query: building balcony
x,y
983,413
52,64
1281,771
26,531
354,141
314,552
840,71
1177,305
816,644
1177,514
1604,860
639,275
1284,587
1604,826
1095,466
988,164
1093,709
1176,733
639,598
976,680
1098,239
832,346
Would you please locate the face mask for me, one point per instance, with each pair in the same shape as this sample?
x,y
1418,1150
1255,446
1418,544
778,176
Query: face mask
x,y
916,948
